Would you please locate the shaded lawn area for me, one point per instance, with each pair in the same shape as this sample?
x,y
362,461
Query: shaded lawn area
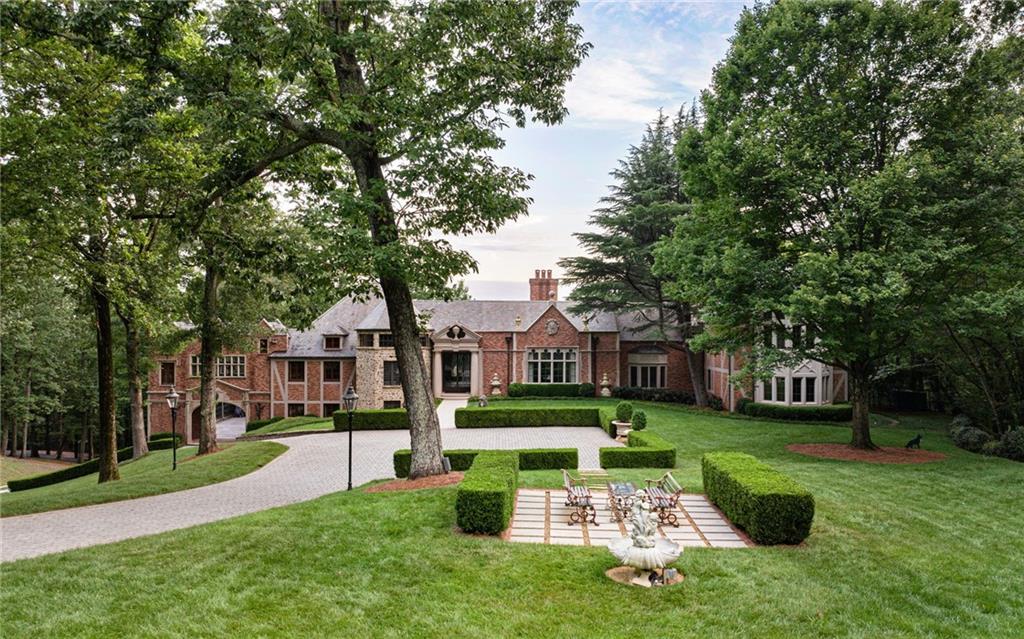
x,y
915,550
150,475
17,468
294,424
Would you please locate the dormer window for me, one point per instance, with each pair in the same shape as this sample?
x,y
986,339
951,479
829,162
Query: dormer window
x,y
332,343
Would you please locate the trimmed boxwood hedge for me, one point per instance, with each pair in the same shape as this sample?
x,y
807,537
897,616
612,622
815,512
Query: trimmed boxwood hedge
x,y
824,413
499,417
769,506
373,419
643,450
71,472
485,498
163,441
260,423
545,390
529,459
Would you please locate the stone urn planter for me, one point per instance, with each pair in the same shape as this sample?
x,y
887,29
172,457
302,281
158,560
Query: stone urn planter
x,y
621,428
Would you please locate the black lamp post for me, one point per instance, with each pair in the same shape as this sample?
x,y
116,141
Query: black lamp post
x,y
172,403
349,401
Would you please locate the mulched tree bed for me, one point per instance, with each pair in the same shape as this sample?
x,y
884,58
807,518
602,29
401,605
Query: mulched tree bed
x,y
884,455
433,481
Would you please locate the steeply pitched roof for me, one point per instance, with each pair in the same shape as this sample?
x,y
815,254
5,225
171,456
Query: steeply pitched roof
x,y
339,320
484,316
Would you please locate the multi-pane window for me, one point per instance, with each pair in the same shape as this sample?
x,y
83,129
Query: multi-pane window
x,y
366,340
780,389
330,409
297,371
798,385
227,366
551,365
391,376
167,373
332,342
767,391
332,371
647,376
809,390
803,390
392,403
231,366
296,410
386,340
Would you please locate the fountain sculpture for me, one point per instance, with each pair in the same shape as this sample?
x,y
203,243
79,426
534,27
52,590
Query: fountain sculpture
x,y
643,550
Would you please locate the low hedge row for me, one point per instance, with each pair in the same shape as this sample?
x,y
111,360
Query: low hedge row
x,y
260,423
373,419
498,417
529,459
71,472
643,450
769,506
823,413
168,435
485,498
550,390
163,443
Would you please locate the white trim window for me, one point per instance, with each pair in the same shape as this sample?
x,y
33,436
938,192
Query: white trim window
x,y
804,390
227,366
648,375
551,366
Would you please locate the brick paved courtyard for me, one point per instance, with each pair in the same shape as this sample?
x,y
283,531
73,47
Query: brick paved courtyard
x,y
541,517
313,465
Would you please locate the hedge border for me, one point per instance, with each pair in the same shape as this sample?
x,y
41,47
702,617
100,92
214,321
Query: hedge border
x,y
771,507
486,497
529,458
500,417
643,449
783,412
372,419
64,474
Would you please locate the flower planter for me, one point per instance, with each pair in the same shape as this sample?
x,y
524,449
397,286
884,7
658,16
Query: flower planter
x,y
622,428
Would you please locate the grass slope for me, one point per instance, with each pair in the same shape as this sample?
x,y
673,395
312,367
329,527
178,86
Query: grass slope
x,y
18,468
895,551
294,424
150,475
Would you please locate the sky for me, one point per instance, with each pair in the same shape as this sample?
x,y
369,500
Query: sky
x,y
645,56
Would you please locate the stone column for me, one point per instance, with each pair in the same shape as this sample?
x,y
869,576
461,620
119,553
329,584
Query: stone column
x,y
437,373
474,373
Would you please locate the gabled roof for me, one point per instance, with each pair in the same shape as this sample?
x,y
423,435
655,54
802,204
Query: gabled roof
x,y
337,320
487,316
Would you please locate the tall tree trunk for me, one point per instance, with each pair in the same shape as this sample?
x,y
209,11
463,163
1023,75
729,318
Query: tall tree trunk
x,y
693,363
60,437
138,420
210,338
105,367
860,383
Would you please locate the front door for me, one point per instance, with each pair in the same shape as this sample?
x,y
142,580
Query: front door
x,y
455,372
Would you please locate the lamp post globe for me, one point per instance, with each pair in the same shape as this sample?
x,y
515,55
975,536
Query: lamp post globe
x,y
172,403
349,402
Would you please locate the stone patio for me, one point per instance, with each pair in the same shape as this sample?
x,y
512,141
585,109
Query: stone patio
x,y
541,517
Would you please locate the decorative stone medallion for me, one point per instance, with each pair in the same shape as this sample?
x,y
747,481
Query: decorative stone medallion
x,y
551,327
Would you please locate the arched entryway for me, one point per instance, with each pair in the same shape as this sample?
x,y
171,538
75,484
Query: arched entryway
x,y
229,417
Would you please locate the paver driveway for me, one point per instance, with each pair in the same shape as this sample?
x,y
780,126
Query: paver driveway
x,y
313,465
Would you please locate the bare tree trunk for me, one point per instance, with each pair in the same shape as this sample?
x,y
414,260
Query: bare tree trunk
x,y
105,367
860,381
138,420
210,338
60,437
24,423
700,391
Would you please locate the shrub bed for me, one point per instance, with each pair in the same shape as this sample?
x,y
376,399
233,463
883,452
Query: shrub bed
x,y
664,395
497,417
71,472
769,506
529,459
484,501
545,390
373,419
260,423
163,443
825,413
643,450
970,438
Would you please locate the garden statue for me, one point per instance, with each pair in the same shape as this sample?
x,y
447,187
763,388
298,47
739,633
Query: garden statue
x,y
495,385
644,549
606,386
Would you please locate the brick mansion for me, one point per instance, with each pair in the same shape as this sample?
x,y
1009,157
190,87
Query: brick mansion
x,y
470,347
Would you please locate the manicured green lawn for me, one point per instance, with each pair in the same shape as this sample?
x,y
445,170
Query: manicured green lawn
x,y
922,550
294,424
150,475
18,468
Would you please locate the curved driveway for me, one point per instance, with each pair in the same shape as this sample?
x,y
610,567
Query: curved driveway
x,y
313,465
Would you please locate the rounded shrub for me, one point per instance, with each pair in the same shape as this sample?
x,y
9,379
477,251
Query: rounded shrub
x,y
624,411
639,420
992,448
587,389
960,421
970,438
1011,445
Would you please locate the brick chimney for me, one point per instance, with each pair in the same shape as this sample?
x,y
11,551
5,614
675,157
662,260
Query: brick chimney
x,y
543,287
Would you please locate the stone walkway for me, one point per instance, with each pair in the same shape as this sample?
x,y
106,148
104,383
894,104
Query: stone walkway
x,y
230,428
313,465
446,412
541,517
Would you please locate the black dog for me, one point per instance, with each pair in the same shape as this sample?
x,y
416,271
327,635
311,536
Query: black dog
x,y
914,443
